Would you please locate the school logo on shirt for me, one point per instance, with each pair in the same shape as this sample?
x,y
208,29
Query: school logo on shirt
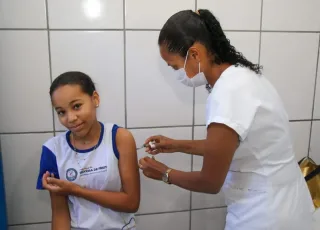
x,y
91,170
71,174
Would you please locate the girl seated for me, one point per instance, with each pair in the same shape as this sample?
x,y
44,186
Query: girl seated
x,y
91,170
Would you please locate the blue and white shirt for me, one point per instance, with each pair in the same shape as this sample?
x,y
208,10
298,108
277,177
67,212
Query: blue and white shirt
x,y
94,168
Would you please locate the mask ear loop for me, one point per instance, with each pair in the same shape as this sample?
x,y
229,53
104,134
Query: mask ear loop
x,y
185,60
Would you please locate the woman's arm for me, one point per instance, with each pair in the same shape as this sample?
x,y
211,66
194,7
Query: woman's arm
x,y
164,144
231,111
128,200
60,212
194,147
218,150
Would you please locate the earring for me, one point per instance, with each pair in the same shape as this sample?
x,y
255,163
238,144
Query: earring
x,y
97,106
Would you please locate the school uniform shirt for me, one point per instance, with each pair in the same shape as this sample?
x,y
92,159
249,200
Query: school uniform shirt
x,y
264,188
94,168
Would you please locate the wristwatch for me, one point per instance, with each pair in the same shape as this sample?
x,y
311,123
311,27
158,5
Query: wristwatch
x,y
165,177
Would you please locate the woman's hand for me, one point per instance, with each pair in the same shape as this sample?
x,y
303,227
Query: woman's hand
x,y
152,168
161,144
57,186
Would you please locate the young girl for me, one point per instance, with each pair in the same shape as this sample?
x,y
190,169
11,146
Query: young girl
x,y
91,170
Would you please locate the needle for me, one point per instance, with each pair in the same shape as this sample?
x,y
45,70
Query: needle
x,y
150,144
143,146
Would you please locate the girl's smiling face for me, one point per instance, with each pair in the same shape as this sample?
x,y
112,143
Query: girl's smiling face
x,y
76,109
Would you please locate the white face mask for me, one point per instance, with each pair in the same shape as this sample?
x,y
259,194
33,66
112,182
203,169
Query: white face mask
x,y
198,80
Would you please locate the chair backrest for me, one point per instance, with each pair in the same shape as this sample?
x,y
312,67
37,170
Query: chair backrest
x,y
3,208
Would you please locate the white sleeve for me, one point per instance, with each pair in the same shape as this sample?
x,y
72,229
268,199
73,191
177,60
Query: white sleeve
x,y
234,107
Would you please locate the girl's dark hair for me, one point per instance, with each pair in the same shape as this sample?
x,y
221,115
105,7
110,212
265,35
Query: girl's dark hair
x,y
186,27
74,78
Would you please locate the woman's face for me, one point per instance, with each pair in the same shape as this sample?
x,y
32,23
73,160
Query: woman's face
x,y
76,110
191,61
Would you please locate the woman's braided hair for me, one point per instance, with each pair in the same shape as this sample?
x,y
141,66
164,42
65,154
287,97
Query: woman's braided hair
x,y
186,27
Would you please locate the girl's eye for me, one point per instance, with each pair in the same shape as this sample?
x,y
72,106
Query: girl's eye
x,y
60,113
77,106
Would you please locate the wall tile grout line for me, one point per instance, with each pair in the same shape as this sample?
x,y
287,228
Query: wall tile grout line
x,y
32,29
160,127
30,132
314,97
31,223
125,63
192,137
164,212
138,30
179,211
50,61
192,133
301,120
260,31
133,128
142,214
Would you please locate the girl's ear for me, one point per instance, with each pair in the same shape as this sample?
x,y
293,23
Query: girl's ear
x,y
96,98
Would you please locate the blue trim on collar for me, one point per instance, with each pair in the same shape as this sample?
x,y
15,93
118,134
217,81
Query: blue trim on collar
x,y
85,150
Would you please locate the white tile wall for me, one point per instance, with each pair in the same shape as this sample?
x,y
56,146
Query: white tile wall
x,y
163,197
291,67
151,85
104,49
315,144
300,136
208,219
21,153
246,16
168,221
85,14
138,90
31,227
24,82
293,15
316,111
23,14
145,14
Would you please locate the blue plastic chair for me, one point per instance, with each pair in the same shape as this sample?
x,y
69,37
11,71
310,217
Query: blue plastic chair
x,y
3,212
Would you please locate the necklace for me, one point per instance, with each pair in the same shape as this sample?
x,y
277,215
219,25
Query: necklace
x,y
83,159
82,182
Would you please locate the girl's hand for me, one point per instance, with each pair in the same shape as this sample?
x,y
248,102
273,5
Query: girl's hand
x,y
60,187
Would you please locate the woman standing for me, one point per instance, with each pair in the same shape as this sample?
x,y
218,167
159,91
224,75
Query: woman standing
x,y
248,152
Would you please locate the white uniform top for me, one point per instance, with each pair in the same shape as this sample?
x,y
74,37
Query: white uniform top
x,y
93,168
264,188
